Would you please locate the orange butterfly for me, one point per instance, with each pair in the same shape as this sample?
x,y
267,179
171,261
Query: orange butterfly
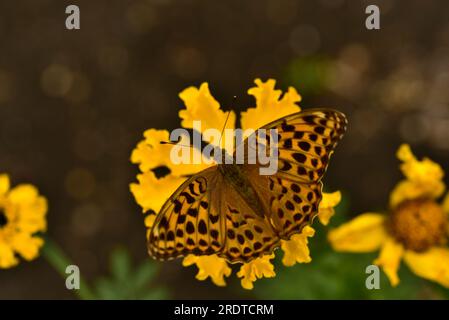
x,y
233,211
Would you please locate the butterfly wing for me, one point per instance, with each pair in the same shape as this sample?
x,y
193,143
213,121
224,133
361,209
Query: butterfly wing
x,y
305,143
248,234
206,215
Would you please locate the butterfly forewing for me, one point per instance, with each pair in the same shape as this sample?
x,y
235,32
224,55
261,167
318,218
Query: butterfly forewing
x,y
306,141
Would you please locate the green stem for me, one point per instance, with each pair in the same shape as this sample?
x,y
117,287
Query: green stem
x,y
59,260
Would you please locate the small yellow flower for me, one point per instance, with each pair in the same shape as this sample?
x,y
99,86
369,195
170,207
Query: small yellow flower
x,y
22,215
149,154
415,230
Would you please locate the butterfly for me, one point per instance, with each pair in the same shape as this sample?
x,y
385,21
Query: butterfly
x,y
233,211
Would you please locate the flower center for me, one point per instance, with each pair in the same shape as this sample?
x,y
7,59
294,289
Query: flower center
x,y
3,218
419,224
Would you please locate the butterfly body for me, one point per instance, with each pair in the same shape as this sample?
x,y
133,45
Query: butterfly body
x,y
235,212
236,177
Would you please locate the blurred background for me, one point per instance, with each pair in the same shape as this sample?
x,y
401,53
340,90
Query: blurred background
x,y
73,104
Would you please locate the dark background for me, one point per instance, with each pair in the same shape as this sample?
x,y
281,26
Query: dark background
x,y
73,104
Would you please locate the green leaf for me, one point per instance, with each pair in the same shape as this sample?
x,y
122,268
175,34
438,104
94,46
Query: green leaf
x,y
128,282
144,275
154,294
121,264
107,290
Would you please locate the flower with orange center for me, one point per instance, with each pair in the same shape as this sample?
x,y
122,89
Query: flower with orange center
x,y
415,230
151,191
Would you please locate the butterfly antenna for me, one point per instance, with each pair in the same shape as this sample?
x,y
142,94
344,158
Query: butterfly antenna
x,y
175,144
224,126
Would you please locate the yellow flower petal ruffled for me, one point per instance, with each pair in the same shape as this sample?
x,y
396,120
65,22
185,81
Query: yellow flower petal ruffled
x,y
269,104
256,269
201,105
327,206
149,186
296,249
423,178
209,266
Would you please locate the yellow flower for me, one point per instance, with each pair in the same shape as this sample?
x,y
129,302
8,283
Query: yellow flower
x,y
415,230
149,154
22,215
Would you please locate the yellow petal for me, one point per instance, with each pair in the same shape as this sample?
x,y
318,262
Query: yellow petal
x,y
209,266
432,264
328,203
149,221
26,245
256,269
269,106
365,233
32,215
7,258
390,259
423,171
296,249
201,106
151,193
405,154
150,154
31,208
23,193
408,189
4,184
424,178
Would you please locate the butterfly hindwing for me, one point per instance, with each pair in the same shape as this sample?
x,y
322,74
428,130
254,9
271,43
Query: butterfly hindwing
x,y
186,223
206,215
293,205
248,235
